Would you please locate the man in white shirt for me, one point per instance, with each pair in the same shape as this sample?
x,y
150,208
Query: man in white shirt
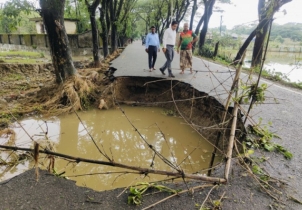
x,y
169,40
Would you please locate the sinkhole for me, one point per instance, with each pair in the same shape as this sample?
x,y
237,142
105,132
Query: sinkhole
x,y
150,123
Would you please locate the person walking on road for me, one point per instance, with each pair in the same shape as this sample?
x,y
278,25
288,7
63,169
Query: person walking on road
x,y
186,40
152,47
169,40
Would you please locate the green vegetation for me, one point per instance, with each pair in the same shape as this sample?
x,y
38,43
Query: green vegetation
x,y
15,15
292,31
137,191
24,57
20,53
25,61
261,137
13,77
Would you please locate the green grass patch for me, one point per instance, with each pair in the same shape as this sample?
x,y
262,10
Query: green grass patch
x,y
20,53
13,77
22,61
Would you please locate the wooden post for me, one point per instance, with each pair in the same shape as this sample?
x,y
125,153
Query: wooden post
x,y
235,84
231,142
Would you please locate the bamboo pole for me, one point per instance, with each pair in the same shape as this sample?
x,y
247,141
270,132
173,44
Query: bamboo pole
x,y
232,137
235,84
231,142
119,165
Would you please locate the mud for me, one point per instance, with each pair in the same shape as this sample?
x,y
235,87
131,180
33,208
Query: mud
x,y
204,112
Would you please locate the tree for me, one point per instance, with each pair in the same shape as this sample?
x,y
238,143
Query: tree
x,y
52,13
115,8
204,21
194,8
94,30
105,25
260,34
160,13
180,9
12,14
279,39
208,9
125,20
77,9
209,12
270,9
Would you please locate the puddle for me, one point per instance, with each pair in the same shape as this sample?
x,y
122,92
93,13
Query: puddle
x,y
110,128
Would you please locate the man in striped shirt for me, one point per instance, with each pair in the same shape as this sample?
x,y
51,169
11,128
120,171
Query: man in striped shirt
x,y
186,40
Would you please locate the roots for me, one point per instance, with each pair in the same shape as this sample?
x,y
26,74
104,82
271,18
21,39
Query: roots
x,y
36,93
79,91
70,96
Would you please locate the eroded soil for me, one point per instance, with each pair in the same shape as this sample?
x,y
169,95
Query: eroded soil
x,y
24,90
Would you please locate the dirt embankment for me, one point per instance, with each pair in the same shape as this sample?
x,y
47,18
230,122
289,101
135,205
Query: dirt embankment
x,y
31,89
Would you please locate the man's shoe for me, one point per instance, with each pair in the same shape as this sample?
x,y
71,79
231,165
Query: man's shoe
x,y
171,75
162,71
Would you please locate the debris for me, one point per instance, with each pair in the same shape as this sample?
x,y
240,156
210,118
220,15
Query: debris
x,y
103,104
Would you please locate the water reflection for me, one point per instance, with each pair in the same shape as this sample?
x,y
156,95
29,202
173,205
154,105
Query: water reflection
x,y
117,138
289,64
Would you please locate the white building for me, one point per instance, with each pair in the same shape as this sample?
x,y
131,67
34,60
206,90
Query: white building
x,y
70,25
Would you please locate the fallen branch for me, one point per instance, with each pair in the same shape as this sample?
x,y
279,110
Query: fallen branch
x,y
171,196
119,165
207,196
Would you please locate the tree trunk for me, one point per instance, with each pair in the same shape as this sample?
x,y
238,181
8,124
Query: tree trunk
x,y
244,46
180,11
258,46
105,26
115,8
265,17
199,25
216,49
52,13
260,36
94,31
207,15
194,8
266,13
113,37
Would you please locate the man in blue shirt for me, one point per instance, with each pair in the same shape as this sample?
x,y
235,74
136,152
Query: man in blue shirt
x,y
152,47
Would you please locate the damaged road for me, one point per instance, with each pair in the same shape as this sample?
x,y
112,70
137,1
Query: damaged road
x,y
241,192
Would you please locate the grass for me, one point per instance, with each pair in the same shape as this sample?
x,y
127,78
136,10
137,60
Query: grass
x,y
24,61
13,77
20,53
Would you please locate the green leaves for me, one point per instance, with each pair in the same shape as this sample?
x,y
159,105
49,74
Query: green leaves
x,y
269,147
257,170
261,137
13,12
137,191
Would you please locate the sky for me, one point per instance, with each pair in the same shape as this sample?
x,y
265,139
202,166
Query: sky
x,y
245,12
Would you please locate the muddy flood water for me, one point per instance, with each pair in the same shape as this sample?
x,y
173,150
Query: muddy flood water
x,y
170,135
